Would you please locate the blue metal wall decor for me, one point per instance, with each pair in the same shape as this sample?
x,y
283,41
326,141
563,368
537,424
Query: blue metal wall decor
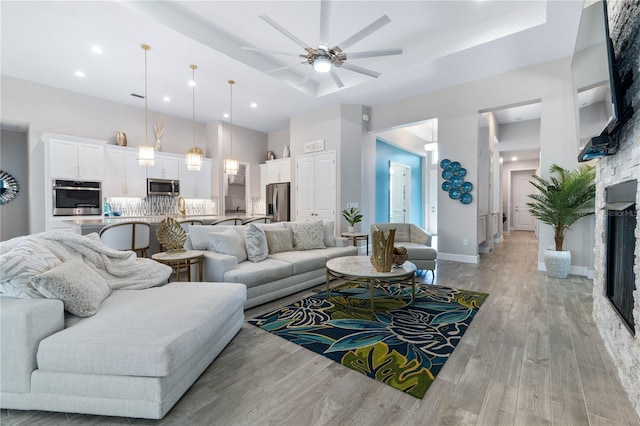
x,y
453,174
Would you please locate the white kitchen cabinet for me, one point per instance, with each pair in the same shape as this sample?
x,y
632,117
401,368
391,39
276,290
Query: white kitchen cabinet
x,y
124,177
279,170
167,166
70,159
316,186
196,184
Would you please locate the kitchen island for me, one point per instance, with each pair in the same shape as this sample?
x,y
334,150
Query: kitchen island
x,y
87,226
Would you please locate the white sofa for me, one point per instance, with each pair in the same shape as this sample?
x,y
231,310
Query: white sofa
x,y
281,274
415,239
135,358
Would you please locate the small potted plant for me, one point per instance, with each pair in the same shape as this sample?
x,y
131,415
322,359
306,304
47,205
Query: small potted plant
x,y
352,216
563,199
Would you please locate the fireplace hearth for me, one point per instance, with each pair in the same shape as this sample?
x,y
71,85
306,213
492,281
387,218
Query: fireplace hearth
x,y
621,243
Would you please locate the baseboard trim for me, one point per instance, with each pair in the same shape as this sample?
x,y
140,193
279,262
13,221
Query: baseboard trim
x,y
459,257
498,240
575,270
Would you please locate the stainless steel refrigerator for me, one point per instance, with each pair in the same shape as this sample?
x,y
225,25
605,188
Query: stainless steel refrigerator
x,y
278,204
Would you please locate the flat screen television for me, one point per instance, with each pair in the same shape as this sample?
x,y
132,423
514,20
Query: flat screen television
x,y
601,106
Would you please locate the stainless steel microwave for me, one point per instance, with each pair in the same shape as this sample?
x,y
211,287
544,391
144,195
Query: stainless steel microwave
x,y
168,187
77,198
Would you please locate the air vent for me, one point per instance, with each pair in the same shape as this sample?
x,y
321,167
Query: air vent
x,y
137,96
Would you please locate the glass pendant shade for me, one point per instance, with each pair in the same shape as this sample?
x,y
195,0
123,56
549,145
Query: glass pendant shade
x,y
146,155
146,152
193,159
231,166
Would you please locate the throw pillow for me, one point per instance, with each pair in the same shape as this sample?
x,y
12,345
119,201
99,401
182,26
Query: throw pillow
x,y
80,288
200,235
256,244
329,234
278,240
25,260
228,242
308,235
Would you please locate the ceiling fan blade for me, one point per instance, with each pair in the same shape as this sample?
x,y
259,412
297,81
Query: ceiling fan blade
x,y
336,79
274,52
371,53
271,71
359,69
374,26
280,28
324,22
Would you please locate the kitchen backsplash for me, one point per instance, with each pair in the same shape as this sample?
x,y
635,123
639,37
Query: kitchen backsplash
x,y
160,206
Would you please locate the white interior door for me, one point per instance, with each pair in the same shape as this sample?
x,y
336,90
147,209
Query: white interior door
x,y
325,189
399,192
523,221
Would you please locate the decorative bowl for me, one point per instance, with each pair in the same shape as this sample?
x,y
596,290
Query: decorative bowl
x,y
445,163
400,255
466,198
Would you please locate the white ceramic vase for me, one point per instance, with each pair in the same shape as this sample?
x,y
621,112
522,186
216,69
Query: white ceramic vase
x,y
351,229
557,263
286,153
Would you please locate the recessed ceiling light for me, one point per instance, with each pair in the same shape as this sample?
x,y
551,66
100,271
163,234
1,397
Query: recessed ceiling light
x,y
97,50
192,83
80,74
254,105
166,99
225,115
514,158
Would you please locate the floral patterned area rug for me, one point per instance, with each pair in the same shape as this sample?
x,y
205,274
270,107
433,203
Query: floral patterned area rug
x,y
403,345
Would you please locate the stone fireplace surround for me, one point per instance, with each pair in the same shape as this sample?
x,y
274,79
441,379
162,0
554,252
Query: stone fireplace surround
x,y
622,345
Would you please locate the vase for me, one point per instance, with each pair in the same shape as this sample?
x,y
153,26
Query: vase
x,y
557,263
121,139
286,153
351,229
158,146
383,250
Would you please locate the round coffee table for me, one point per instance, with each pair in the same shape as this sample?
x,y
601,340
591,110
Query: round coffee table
x,y
359,269
182,259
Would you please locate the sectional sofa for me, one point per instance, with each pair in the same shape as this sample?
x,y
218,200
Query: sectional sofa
x,y
134,352
281,272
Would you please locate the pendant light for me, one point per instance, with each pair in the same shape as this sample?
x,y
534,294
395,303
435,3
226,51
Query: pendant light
x,y
193,159
146,152
231,165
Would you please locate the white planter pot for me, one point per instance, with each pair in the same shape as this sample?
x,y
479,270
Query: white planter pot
x,y
351,229
557,263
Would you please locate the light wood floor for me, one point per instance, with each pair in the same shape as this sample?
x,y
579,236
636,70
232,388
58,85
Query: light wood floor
x,y
532,356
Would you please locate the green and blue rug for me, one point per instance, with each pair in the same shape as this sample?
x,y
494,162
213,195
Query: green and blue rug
x,y
404,345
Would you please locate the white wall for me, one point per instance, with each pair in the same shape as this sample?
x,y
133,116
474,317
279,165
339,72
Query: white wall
x,y
321,124
404,139
277,140
47,109
14,216
457,109
523,135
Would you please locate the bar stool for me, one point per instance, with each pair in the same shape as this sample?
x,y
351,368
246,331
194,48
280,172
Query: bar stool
x,y
132,235
185,223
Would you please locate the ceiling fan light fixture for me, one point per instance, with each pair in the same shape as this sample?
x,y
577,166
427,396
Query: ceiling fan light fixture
x,y
322,64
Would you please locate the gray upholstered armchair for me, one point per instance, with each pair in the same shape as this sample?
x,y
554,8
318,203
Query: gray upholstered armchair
x,y
416,240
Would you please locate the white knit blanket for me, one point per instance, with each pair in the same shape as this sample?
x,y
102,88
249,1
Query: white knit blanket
x,y
121,269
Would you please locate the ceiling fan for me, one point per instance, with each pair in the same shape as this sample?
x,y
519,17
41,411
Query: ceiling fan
x,y
325,59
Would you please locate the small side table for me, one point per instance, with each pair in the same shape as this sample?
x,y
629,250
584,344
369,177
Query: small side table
x,y
183,259
356,236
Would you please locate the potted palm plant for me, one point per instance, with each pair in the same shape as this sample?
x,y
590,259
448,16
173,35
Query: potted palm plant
x,y
352,216
562,200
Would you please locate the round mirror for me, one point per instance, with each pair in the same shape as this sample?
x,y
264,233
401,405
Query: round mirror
x,y
9,188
